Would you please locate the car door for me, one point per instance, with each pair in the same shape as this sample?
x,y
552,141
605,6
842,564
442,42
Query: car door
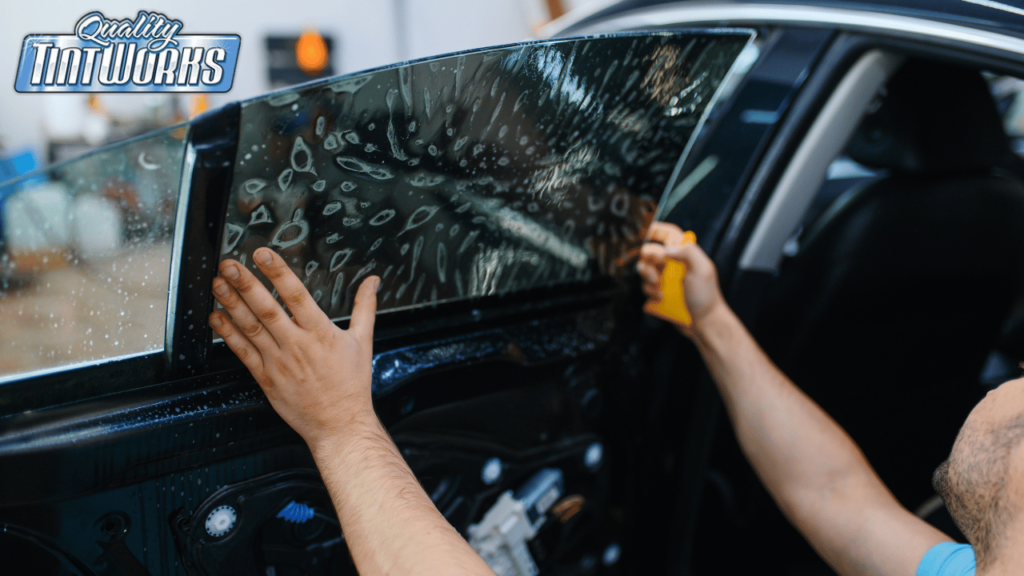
x,y
501,195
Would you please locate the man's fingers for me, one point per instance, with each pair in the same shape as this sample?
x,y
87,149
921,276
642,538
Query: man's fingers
x,y
654,254
259,300
648,272
252,329
238,343
690,254
666,233
295,296
365,310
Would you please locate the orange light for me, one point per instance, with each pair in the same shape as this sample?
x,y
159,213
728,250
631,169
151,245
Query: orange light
x,y
198,104
311,53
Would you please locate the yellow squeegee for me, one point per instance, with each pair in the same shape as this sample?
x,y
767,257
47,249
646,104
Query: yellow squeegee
x,y
672,306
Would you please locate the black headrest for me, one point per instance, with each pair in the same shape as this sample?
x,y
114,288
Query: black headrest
x,y
933,118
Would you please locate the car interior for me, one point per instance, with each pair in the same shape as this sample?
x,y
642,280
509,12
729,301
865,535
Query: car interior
x,y
896,303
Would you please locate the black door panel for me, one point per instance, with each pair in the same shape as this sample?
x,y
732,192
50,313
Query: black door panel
x,y
502,195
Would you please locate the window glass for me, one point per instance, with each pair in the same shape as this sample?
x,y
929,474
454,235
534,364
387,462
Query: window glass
x,y
474,174
85,255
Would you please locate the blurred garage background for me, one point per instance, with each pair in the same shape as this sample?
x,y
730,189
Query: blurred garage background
x,y
39,129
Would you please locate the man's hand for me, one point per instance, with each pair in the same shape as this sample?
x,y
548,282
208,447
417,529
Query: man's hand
x,y
700,285
316,375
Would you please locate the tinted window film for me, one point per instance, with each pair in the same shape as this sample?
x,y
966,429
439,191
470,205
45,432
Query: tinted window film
x,y
474,174
85,256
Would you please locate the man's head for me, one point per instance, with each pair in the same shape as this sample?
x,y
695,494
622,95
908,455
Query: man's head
x,y
981,482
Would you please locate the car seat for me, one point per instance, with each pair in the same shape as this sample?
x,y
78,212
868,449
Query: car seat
x,y
899,290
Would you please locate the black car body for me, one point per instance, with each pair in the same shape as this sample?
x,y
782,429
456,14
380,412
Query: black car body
x,y
834,158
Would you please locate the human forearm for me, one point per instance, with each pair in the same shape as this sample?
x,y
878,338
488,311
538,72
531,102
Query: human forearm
x,y
390,524
796,448
812,468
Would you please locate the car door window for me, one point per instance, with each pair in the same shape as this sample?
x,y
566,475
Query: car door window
x,y
85,255
474,174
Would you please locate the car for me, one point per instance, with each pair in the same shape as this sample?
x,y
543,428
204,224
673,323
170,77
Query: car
x,y
852,170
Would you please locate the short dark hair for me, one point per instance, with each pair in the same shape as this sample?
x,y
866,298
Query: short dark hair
x,y
973,483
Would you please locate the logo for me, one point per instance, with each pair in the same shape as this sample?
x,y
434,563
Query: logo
x,y
147,54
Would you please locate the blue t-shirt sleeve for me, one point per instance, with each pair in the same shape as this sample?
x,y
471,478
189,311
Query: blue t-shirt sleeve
x,y
947,559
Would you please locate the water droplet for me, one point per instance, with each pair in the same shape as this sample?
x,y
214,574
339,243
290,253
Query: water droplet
x,y
520,101
302,157
421,215
468,241
336,292
260,216
358,166
422,180
232,234
620,205
145,163
350,85
382,217
442,261
254,185
285,179
339,258
297,222
416,250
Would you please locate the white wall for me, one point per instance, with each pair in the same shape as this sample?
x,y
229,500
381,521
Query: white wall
x,y
365,32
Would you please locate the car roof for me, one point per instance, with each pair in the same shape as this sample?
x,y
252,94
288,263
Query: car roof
x,y
990,15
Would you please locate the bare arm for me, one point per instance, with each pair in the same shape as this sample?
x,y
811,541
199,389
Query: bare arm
x,y
317,377
812,468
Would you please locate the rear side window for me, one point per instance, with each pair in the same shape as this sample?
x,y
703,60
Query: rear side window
x,y
85,252
476,174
